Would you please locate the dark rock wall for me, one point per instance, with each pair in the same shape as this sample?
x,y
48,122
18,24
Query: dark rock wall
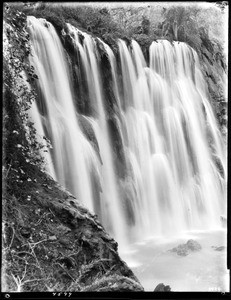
x,y
214,69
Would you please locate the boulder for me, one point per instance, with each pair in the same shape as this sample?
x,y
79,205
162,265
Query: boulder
x,y
193,245
221,248
115,131
181,250
185,249
162,288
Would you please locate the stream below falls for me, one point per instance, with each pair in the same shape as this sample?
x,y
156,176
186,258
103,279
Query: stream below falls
x,y
200,271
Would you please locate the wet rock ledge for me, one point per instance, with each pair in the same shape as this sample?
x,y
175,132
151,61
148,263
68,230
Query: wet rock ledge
x,y
52,243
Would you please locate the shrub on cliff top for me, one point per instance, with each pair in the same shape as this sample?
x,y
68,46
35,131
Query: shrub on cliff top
x,y
93,19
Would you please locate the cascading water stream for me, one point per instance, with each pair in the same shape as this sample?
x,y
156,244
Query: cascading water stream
x,y
110,205
36,119
73,156
164,119
169,148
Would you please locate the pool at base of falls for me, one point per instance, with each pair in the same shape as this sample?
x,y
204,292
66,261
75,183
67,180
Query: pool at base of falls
x,y
199,271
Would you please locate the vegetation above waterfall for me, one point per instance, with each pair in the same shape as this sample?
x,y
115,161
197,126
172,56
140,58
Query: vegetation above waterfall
x,y
193,24
200,27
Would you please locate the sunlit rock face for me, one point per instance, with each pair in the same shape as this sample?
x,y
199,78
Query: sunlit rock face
x,y
143,151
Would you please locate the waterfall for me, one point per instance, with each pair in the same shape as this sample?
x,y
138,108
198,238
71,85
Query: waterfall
x,y
111,209
178,182
165,124
73,157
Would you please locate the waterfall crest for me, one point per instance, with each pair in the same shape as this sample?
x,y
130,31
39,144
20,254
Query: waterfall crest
x,y
165,123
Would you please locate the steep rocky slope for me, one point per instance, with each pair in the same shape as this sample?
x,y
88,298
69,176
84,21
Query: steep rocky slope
x,y
53,243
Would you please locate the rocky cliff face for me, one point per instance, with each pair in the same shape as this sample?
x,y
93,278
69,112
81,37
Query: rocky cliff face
x,y
53,243
214,69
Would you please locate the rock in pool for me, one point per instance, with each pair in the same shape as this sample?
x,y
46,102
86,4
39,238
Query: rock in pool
x,y
162,288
